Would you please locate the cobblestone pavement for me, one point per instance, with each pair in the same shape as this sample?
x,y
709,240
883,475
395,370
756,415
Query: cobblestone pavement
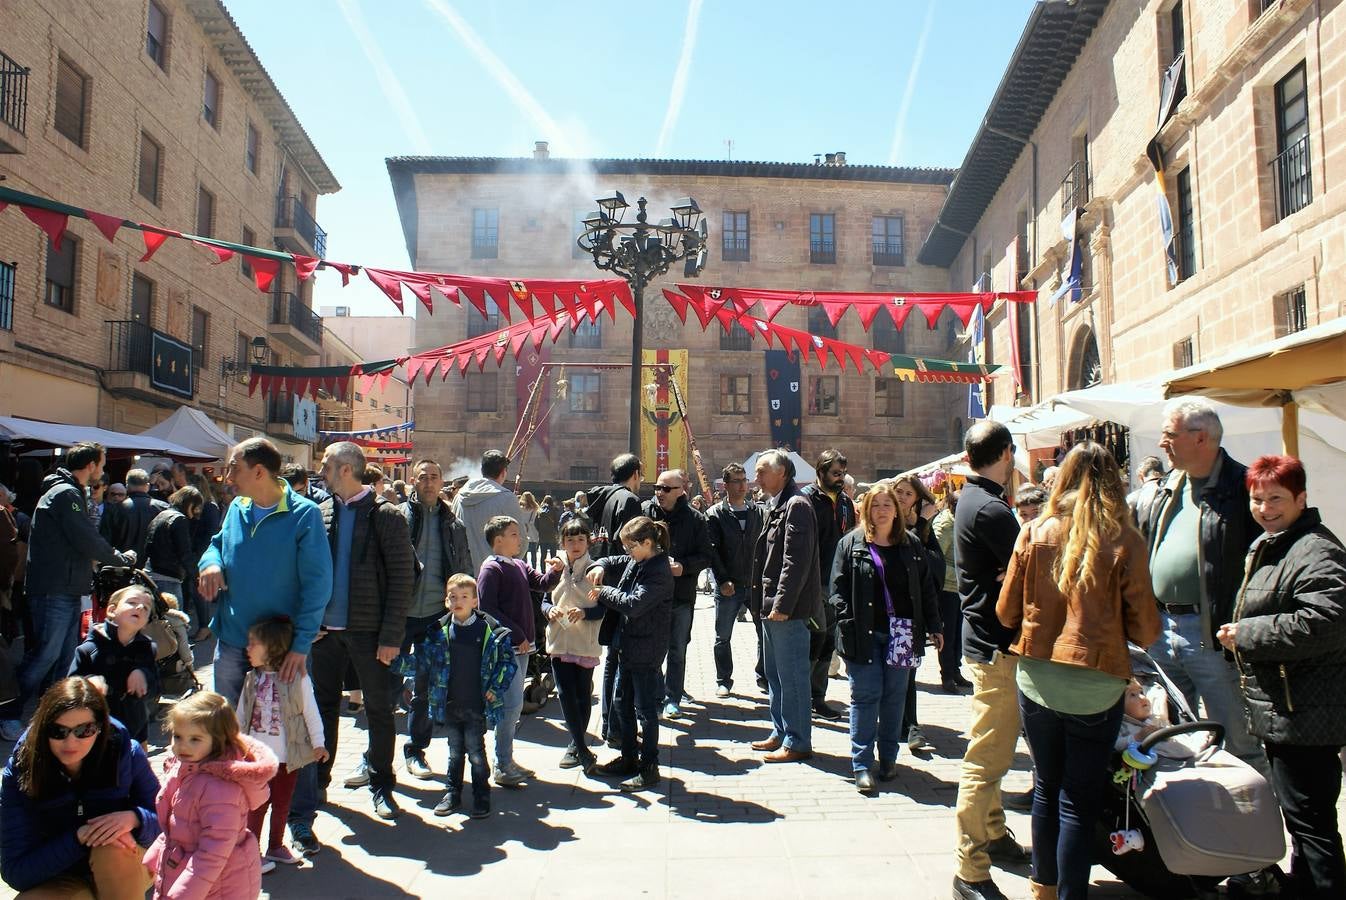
x,y
721,824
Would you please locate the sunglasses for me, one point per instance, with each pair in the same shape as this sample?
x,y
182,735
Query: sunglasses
x,y
665,488
83,731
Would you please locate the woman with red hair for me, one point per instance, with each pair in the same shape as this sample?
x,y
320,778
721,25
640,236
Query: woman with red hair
x,y
1288,638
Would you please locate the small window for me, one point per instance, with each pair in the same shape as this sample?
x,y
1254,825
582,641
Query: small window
x,y
61,265
243,352
151,158
1292,311
887,241
824,395
156,35
1290,169
210,103
72,102
359,397
736,338
735,395
820,325
142,300
736,247
373,403
482,391
249,240
588,335
887,336
200,334
477,324
1186,226
584,392
822,238
205,213
1182,354
888,399
586,474
485,233
251,148
1178,46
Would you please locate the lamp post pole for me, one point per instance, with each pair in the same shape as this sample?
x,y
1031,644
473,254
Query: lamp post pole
x,y
637,367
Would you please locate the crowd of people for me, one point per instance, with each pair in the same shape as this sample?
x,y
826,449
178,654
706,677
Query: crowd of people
x,y
461,603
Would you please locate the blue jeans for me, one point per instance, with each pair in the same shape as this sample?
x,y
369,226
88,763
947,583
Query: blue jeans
x,y
509,716
726,612
680,635
785,658
1204,674
420,726
637,701
878,697
231,668
56,623
1070,756
467,741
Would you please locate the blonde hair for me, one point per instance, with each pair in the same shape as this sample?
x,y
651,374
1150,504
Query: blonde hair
x,y
461,581
118,596
211,713
885,488
1090,500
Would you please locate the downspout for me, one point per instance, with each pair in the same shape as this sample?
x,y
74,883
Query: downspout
x,y
1036,350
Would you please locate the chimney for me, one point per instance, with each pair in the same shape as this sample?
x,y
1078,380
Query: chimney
x,y
540,150
830,159
841,157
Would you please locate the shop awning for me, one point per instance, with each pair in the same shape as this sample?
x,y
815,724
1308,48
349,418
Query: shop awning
x,y
1264,374
193,429
31,434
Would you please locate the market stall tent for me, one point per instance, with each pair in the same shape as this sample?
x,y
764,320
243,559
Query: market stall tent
x,y
30,434
804,472
192,428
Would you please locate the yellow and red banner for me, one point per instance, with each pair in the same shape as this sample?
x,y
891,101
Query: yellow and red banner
x,y
663,439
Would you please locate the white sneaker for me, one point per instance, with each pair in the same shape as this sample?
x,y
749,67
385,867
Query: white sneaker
x,y
11,730
268,865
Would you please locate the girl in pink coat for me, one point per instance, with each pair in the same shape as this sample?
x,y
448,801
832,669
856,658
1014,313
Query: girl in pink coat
x,y
213,778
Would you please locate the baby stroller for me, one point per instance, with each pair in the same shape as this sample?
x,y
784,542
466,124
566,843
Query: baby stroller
x,y
167,627
1198,818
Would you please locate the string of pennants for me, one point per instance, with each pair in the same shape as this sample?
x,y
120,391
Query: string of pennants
x,y
371,432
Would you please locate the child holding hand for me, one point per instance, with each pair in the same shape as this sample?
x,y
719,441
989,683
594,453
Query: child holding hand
x,y
283,715
572,643
119,659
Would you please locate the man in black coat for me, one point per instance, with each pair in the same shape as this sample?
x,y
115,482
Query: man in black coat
x,y
126,525
690,552
835,514
734,524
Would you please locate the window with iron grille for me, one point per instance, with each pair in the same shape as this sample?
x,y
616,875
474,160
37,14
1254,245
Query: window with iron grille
x,y
72,102
1290,169
1292,311
1186,226
822,238
210,101
142,300
735,395
588,335
151,162
7,272
156,35
200,335
586,474
888,398
61,267
886,335
242,352
251,148
735,237
205,212
249,240
820,325
887,241
736,338
584,392
824,397
483,394
485,233
477,324
1182,354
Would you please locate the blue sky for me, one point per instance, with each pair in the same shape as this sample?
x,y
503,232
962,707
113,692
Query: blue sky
x,y
904,82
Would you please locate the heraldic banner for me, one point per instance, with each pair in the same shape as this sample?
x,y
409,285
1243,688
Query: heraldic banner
x,y
527,369
783,398
663,440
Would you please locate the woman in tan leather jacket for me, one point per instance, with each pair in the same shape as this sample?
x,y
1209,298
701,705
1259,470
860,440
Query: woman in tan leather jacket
x,y
1078,588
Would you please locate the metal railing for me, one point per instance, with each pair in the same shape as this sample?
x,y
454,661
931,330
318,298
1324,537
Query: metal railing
x,y
280,409
290,213
7,272
1075,187
1292,179
736,250
131,349
822,251
889,253
13,94
736,338
288,309
485,248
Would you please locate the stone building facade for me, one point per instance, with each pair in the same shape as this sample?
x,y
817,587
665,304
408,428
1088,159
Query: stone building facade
x,y
1255,178
159,111
772,225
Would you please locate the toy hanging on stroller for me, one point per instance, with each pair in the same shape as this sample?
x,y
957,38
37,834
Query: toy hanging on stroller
x,y
167,627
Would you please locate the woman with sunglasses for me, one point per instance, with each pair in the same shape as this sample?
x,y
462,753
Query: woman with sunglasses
x,y
76,802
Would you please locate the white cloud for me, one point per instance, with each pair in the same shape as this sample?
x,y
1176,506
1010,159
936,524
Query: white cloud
x,y
900,128
679,87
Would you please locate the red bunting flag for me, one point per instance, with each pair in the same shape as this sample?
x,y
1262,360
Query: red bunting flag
x,y
222,254
264,271
108,225
305,265
154,239
53,223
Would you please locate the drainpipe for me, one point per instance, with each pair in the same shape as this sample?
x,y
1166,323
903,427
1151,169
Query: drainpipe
x,y
1033,218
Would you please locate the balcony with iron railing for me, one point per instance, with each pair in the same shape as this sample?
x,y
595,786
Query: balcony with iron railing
x,y
823,252
889,253
1075,188
1292,179
736,250
146,363
294,324
13,106
296,229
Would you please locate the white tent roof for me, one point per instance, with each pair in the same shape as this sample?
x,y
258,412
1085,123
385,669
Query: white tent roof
x,y
33,433
804,473
193,428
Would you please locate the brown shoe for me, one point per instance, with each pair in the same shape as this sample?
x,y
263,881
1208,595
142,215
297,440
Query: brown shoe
x,y
786,755
772,743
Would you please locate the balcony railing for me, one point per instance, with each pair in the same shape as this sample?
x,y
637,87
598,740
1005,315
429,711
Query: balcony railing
x,y
822,252
485,247
736,250
1075,188
1293,183
136,347
889,253
13,94
7,271
288,309
291,213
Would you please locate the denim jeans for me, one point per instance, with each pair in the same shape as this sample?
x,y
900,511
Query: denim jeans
x,y
612,661
167,584
509,716
575,690
1205,674
1307,782
637,700
231,668
785,658
1070,757
878,696
822,644
420,726
726,612
56,620
467,740
680,635
950,610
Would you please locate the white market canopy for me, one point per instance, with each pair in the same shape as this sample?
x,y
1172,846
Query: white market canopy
x,y
804,472
193,429
31,434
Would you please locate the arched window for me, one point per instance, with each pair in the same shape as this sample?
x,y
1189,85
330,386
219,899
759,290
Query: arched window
x,y
1086,365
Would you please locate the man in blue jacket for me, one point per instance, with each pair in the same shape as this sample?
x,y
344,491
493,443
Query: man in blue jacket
x,y
61,547
270,558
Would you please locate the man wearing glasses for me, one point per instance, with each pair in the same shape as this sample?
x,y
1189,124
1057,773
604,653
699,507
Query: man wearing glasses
x,y
734,524
689,552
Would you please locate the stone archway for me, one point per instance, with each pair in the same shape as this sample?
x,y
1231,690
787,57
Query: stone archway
x,y
1086,364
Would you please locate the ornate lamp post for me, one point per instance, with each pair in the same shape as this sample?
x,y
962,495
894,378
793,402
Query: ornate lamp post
x,y
640,252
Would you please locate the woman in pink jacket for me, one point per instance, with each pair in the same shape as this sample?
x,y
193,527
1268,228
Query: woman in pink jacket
x,y
213,778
